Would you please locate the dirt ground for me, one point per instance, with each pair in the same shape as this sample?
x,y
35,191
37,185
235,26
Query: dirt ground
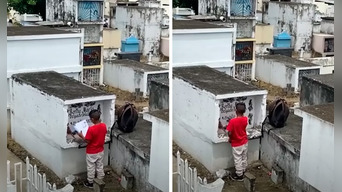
x,y
111,179
125,96
263,181
21,153
274,92
201,170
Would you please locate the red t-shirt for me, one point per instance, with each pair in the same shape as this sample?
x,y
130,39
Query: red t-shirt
x,y
237,126
96,135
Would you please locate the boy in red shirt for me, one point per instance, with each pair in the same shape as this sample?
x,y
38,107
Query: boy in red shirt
x,y
95,139
238,138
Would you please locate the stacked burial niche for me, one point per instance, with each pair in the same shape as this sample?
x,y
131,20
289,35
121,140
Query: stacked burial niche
x,y
204,99
44,103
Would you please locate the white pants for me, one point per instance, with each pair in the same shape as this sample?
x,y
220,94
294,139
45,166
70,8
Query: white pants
x,y
240,158
95,165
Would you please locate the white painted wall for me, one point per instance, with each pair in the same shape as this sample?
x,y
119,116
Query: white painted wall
x,y
127,78
159,158
326,70
45,137
259,17
122,77
327,27
296,19
278,74
214,48
190,104
316,163
60,53
274,73
324,9
326,63
195,116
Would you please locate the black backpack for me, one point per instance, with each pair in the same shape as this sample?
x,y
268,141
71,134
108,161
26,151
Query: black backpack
x,y
278,113
127,117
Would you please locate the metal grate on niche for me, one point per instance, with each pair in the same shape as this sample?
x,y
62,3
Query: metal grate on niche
x,y
91,76
243,71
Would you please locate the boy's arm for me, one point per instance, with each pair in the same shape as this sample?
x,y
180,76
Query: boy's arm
x,y
229,129
229,134
85,139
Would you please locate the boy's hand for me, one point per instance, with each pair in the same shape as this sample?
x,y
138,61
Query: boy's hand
x,y
80,134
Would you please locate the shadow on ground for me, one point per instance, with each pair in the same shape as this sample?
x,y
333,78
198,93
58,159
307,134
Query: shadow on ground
x,y
111,179
263,182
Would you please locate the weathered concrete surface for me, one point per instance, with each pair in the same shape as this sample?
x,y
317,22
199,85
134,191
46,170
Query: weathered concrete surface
x,y
288,61
280,70
323,111
245,28
327,26
58,85
129,75
28,30
211,80
68,10
143,67
92,33
318,124
326,63
131,151
294,18
213,7
281,147
159,95
317,89
143,23
249,182
58,10
110,53
194,24
322,61
159,158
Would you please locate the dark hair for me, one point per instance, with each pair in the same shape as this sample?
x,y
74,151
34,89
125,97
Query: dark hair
x,y
240,108
95,114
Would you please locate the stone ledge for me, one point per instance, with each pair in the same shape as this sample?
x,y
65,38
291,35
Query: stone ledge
x,y
139,140
289,136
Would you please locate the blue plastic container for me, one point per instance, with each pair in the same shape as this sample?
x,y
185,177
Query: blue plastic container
x,y
282,40
131,45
